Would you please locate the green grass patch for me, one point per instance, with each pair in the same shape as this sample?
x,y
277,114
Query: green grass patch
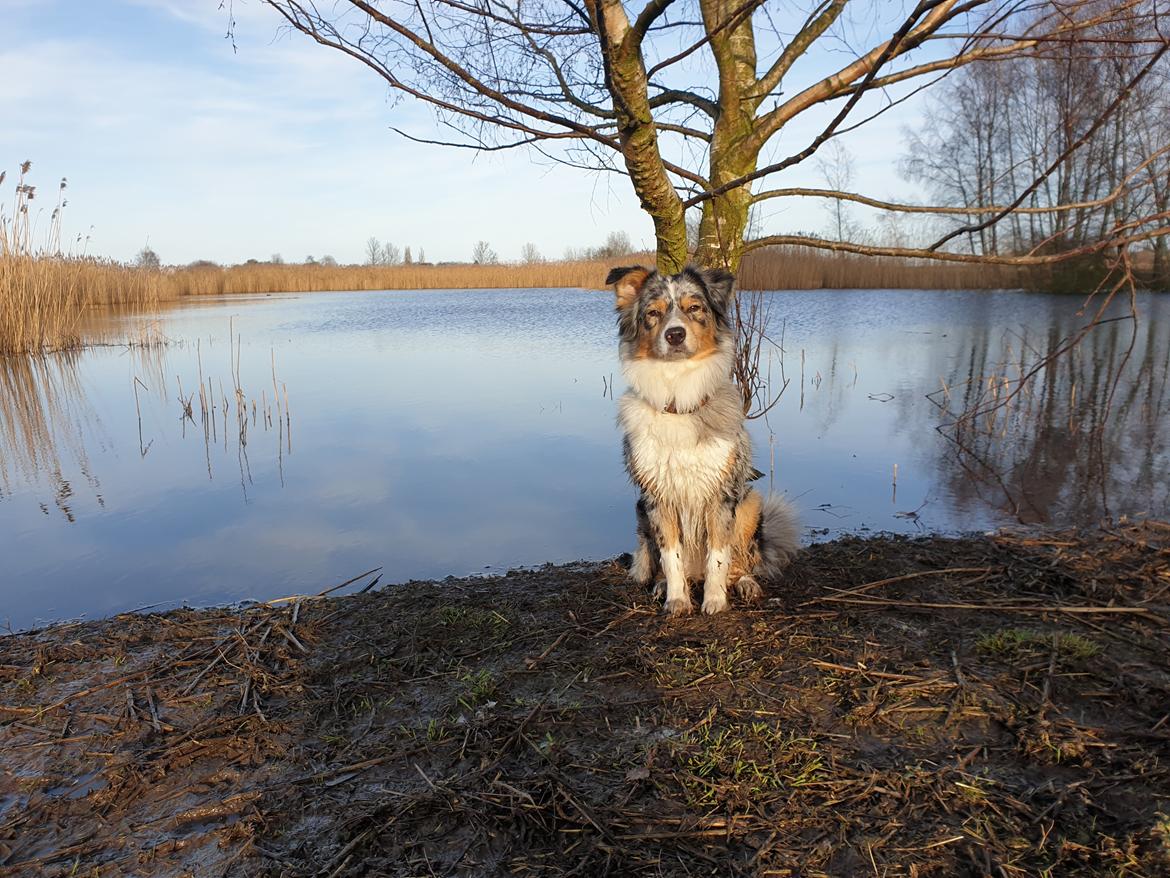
x,y
687,665
477,687
723,763
1025,643
473,621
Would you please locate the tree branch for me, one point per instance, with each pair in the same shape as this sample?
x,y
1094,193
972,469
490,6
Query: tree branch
x,y
645,18
948,256
938,210
808,33
677,96
936,9
933,14
746,9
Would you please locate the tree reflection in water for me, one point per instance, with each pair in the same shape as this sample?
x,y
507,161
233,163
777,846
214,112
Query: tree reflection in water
x,y
1086,436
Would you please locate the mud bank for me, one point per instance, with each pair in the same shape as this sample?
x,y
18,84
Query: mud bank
x,y
980,706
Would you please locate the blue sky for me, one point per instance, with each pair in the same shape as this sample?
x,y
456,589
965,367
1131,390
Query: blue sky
x,y
167,136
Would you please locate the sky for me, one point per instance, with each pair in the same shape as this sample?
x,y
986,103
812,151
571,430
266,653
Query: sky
x,y
172,138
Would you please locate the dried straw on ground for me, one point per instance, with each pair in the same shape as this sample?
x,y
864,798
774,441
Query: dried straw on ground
x,y
981,706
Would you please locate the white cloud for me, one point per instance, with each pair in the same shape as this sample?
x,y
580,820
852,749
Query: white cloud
x,y
283,146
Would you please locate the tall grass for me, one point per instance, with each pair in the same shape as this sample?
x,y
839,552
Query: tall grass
x,y
770,269
268,278
792,268
45,294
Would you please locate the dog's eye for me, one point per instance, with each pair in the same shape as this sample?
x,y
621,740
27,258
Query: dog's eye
x,y
653,315
694,309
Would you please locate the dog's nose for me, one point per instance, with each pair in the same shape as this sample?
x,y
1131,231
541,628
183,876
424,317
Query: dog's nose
x,y
675,335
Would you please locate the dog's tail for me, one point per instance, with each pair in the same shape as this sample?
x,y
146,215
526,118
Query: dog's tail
x,y
779,537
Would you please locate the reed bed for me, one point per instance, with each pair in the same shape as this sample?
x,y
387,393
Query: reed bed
x,y
43,298
212,280
796,268
45,293
771,269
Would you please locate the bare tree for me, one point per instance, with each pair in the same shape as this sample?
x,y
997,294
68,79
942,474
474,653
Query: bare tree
x,y
616,244
685,97
407,258
147,259
996,129
391,255
373,251
836,166
530,255
483,254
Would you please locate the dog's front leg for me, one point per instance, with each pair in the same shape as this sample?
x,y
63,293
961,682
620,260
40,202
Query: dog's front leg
x,y
719,523
668,535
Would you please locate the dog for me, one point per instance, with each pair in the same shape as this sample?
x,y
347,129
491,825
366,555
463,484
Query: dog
x,y
685,444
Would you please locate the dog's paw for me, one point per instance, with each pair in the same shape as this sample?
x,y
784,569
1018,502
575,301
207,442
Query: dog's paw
x,y
678,607
748,589
714,603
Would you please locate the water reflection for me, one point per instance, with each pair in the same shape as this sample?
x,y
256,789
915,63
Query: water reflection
x,y
44,417
233,414
447,433
48,423
1084,439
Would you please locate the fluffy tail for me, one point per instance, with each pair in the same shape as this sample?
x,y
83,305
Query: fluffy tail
x,y
779,537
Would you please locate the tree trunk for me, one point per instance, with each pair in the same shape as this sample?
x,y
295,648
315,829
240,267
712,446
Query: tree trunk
x,y
725,217
1161,272
733,153
625,72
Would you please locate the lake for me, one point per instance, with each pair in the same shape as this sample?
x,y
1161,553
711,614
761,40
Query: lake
x,y
460,432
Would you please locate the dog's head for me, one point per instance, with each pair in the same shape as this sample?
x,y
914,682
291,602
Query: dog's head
x,y
672,317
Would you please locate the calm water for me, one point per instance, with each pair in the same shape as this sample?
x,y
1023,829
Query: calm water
x,y
440,433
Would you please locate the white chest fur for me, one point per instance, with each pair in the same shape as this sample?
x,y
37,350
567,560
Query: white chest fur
x,y
681,461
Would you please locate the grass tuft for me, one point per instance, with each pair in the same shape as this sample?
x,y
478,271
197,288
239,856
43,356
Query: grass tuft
x,y
1024,643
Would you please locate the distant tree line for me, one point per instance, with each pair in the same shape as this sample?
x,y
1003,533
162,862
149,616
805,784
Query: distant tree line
x,y
387,253
616,244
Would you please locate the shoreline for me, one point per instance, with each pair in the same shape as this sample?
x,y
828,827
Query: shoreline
x,y
931,705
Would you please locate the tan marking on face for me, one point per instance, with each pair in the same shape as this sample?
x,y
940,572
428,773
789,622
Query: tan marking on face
x,y
650,327
629,287
700,326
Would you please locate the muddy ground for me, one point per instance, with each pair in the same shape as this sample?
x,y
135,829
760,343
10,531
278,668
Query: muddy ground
x,y
985,706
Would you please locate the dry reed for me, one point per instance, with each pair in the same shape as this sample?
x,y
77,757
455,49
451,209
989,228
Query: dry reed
x,y
273,278
44,293
770,269
795,268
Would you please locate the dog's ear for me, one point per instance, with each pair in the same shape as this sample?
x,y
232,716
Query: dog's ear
x,y
627,283
720,286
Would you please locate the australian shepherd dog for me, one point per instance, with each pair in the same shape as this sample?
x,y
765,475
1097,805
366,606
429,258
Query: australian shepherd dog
x,y
685,444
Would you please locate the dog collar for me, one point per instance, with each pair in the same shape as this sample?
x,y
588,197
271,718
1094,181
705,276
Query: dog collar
x,y
671,410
